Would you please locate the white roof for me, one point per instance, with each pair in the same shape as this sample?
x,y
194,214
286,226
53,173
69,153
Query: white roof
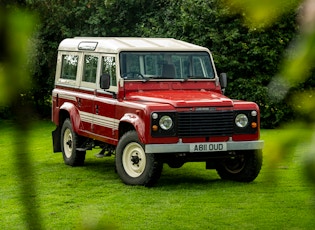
x,y
117,44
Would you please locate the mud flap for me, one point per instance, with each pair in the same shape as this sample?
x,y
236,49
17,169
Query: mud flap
x,y
56,135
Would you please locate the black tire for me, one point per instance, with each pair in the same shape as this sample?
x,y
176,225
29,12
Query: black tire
x,y
243,167
133,165
69,144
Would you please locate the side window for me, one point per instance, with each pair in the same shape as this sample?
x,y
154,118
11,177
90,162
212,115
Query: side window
x,y
69,67
109,67
90,67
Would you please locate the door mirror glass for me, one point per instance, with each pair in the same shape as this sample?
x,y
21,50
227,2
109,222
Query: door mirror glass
x,y
105,81
223,80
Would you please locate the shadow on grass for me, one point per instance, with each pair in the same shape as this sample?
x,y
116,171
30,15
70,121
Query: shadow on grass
x,y
169,177
189,176
176,180
202,180
101,166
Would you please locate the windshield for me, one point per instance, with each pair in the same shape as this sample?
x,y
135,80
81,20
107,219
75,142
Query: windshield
x,y
166,65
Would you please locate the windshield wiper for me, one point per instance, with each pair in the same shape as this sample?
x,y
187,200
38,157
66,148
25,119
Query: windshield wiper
x,y
192,77
195,77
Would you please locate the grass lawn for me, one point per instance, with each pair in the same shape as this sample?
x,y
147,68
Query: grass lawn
x,y
93,197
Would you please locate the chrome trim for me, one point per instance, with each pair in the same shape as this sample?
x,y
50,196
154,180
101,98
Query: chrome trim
x,y
185,147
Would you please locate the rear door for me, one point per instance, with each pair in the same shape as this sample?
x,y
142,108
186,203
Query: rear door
x,y
85,100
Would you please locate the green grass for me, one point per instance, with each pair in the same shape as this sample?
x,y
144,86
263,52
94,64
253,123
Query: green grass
x,y
191,197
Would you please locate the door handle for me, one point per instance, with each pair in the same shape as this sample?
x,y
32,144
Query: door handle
x,y
96,109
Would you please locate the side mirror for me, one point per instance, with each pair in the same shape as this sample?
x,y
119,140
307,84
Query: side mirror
x,y
223,81
105,81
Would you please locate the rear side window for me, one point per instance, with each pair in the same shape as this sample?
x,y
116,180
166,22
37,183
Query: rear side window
x,y
69,67
90,68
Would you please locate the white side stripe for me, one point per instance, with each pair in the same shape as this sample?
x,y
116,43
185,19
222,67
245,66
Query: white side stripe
x,y
86,117
67,97
99,120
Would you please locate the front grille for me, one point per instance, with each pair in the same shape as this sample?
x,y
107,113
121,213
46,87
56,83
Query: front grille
x,y
205,124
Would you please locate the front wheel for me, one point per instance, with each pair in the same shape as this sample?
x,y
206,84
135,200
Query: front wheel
x,y
243,166
69,143
133,165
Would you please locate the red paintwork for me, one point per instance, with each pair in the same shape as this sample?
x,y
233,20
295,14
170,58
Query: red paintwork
x,y
136,100
182,98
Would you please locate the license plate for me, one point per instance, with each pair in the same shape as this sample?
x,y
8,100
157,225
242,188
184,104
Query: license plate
x,y
208,147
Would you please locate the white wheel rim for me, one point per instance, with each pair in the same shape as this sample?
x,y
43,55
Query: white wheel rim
x,y
67,143
134,159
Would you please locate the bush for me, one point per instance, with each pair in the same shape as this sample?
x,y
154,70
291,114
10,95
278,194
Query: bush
x,y
5,112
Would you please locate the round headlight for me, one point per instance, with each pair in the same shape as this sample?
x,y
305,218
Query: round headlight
x,y
241,120
166,122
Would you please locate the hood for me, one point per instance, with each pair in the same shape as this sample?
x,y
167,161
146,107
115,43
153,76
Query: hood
x,y
183,98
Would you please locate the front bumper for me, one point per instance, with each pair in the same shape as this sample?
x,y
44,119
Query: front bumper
x,y
204,147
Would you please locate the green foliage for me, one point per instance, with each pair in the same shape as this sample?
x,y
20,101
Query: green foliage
x,y
261,13
250,56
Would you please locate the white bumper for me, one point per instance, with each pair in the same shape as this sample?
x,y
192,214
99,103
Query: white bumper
x,y
204,147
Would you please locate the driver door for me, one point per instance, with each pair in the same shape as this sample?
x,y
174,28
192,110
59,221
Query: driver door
x,y
105,124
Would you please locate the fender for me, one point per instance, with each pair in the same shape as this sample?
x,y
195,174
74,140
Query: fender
x,y
74,118
137,122
74,115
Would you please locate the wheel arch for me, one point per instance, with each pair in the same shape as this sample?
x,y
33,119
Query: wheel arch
x,y
56,134
68,110
132,122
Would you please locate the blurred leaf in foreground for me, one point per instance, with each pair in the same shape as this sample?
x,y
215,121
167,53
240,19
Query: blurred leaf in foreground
x,y
16,29
261,13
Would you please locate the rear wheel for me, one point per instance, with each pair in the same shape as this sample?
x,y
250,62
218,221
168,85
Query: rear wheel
x,y
243,166
133,165
69,144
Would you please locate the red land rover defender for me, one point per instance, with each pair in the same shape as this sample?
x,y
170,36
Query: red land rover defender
x,y
151,101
